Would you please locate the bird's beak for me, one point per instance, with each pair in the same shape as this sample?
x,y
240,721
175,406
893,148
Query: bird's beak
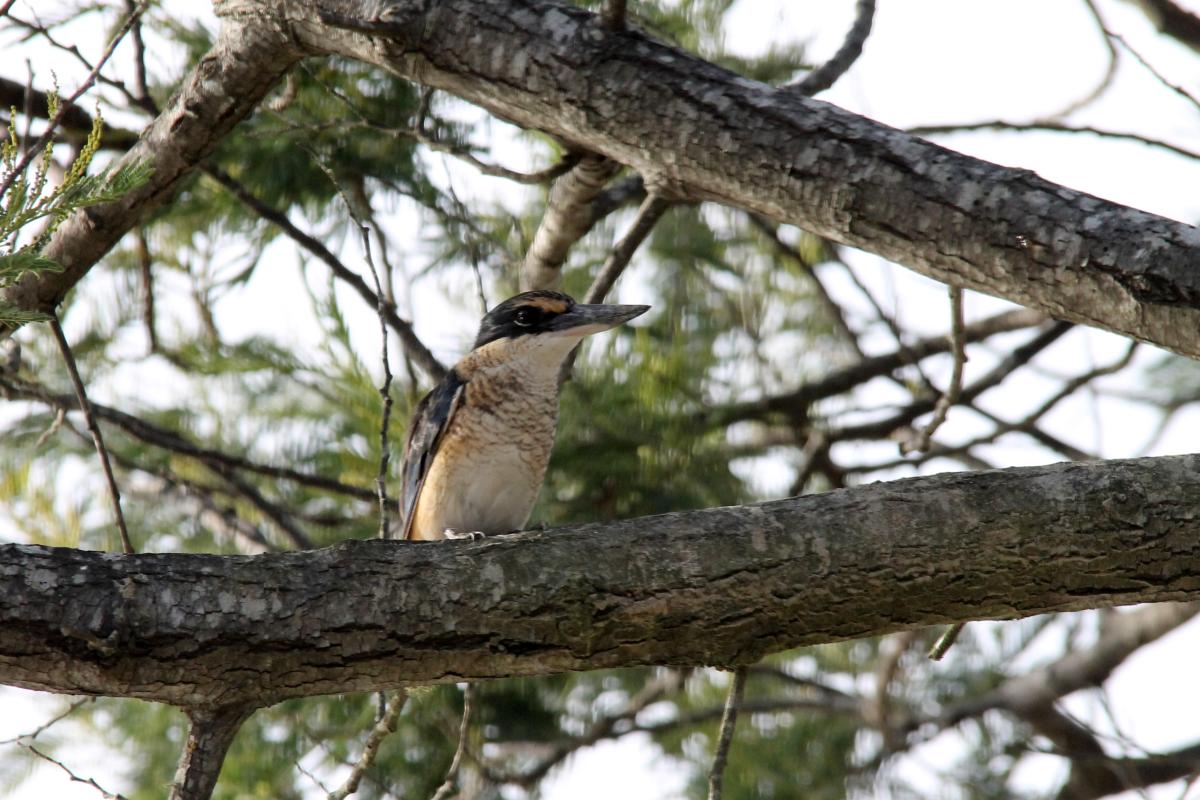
x,y
584,320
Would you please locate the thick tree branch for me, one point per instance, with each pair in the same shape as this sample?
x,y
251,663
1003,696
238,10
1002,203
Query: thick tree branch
x,y
685,123
248,58
699,129
197,630
1173,20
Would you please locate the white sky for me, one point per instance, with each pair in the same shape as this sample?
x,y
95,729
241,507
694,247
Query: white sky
x,y
928,61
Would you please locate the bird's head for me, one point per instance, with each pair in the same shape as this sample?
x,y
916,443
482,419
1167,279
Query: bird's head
x,y
550,315
540,329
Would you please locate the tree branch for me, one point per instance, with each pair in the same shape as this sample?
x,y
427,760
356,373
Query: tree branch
x,y
827,74
195,630
248,58
568,217
683,122
210,732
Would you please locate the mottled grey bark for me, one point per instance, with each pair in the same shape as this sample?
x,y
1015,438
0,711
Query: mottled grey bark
x,y
719,586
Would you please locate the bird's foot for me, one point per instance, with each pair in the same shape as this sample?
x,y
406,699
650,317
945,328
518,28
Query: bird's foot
x,y
450,533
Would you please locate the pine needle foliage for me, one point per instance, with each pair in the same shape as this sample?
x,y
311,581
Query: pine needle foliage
x,y
31,199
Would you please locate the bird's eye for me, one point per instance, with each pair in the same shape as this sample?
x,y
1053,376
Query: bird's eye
x,y
525,317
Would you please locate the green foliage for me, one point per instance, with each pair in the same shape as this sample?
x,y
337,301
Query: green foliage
x,y
27,201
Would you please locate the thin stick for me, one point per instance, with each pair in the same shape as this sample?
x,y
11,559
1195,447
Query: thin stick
x,y
107,795
716,777
39,730
381,309
958,347
113,492
1176,88
464,729
383,728
945,641
827,74
648,214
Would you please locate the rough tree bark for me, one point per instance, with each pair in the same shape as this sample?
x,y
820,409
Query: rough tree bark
x,y
212,632
697,130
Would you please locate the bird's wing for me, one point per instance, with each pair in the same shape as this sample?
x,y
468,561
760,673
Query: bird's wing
x,y
430,419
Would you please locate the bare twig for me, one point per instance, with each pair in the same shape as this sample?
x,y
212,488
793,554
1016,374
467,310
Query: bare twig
x,y
48,134
609,726
649,213
146,270
381,309
144,100
946,641
564,165
404,330
716,777
951,395
107,795
835,312
1174,87
1051,126
98,438
39,730
383,728
827,74
464,730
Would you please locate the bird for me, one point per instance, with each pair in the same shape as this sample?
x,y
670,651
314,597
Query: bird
x,y
478,444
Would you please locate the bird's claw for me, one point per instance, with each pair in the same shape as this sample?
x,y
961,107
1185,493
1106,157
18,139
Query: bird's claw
x,y
450,533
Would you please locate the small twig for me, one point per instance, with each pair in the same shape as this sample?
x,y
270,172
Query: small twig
x,y
1110,71
113,492
716,777
404,330
385,726
612,17
946,641
146,270
417,132
1050,126
1176,88
958,344
648,215
827,74
39,730
464,729
143,98
381,310
63,107
107,795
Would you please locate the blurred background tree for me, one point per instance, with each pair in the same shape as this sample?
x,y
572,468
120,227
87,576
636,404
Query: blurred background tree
x,y
235,367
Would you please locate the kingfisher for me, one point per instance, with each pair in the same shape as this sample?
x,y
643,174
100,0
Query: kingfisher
x,y
478,444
